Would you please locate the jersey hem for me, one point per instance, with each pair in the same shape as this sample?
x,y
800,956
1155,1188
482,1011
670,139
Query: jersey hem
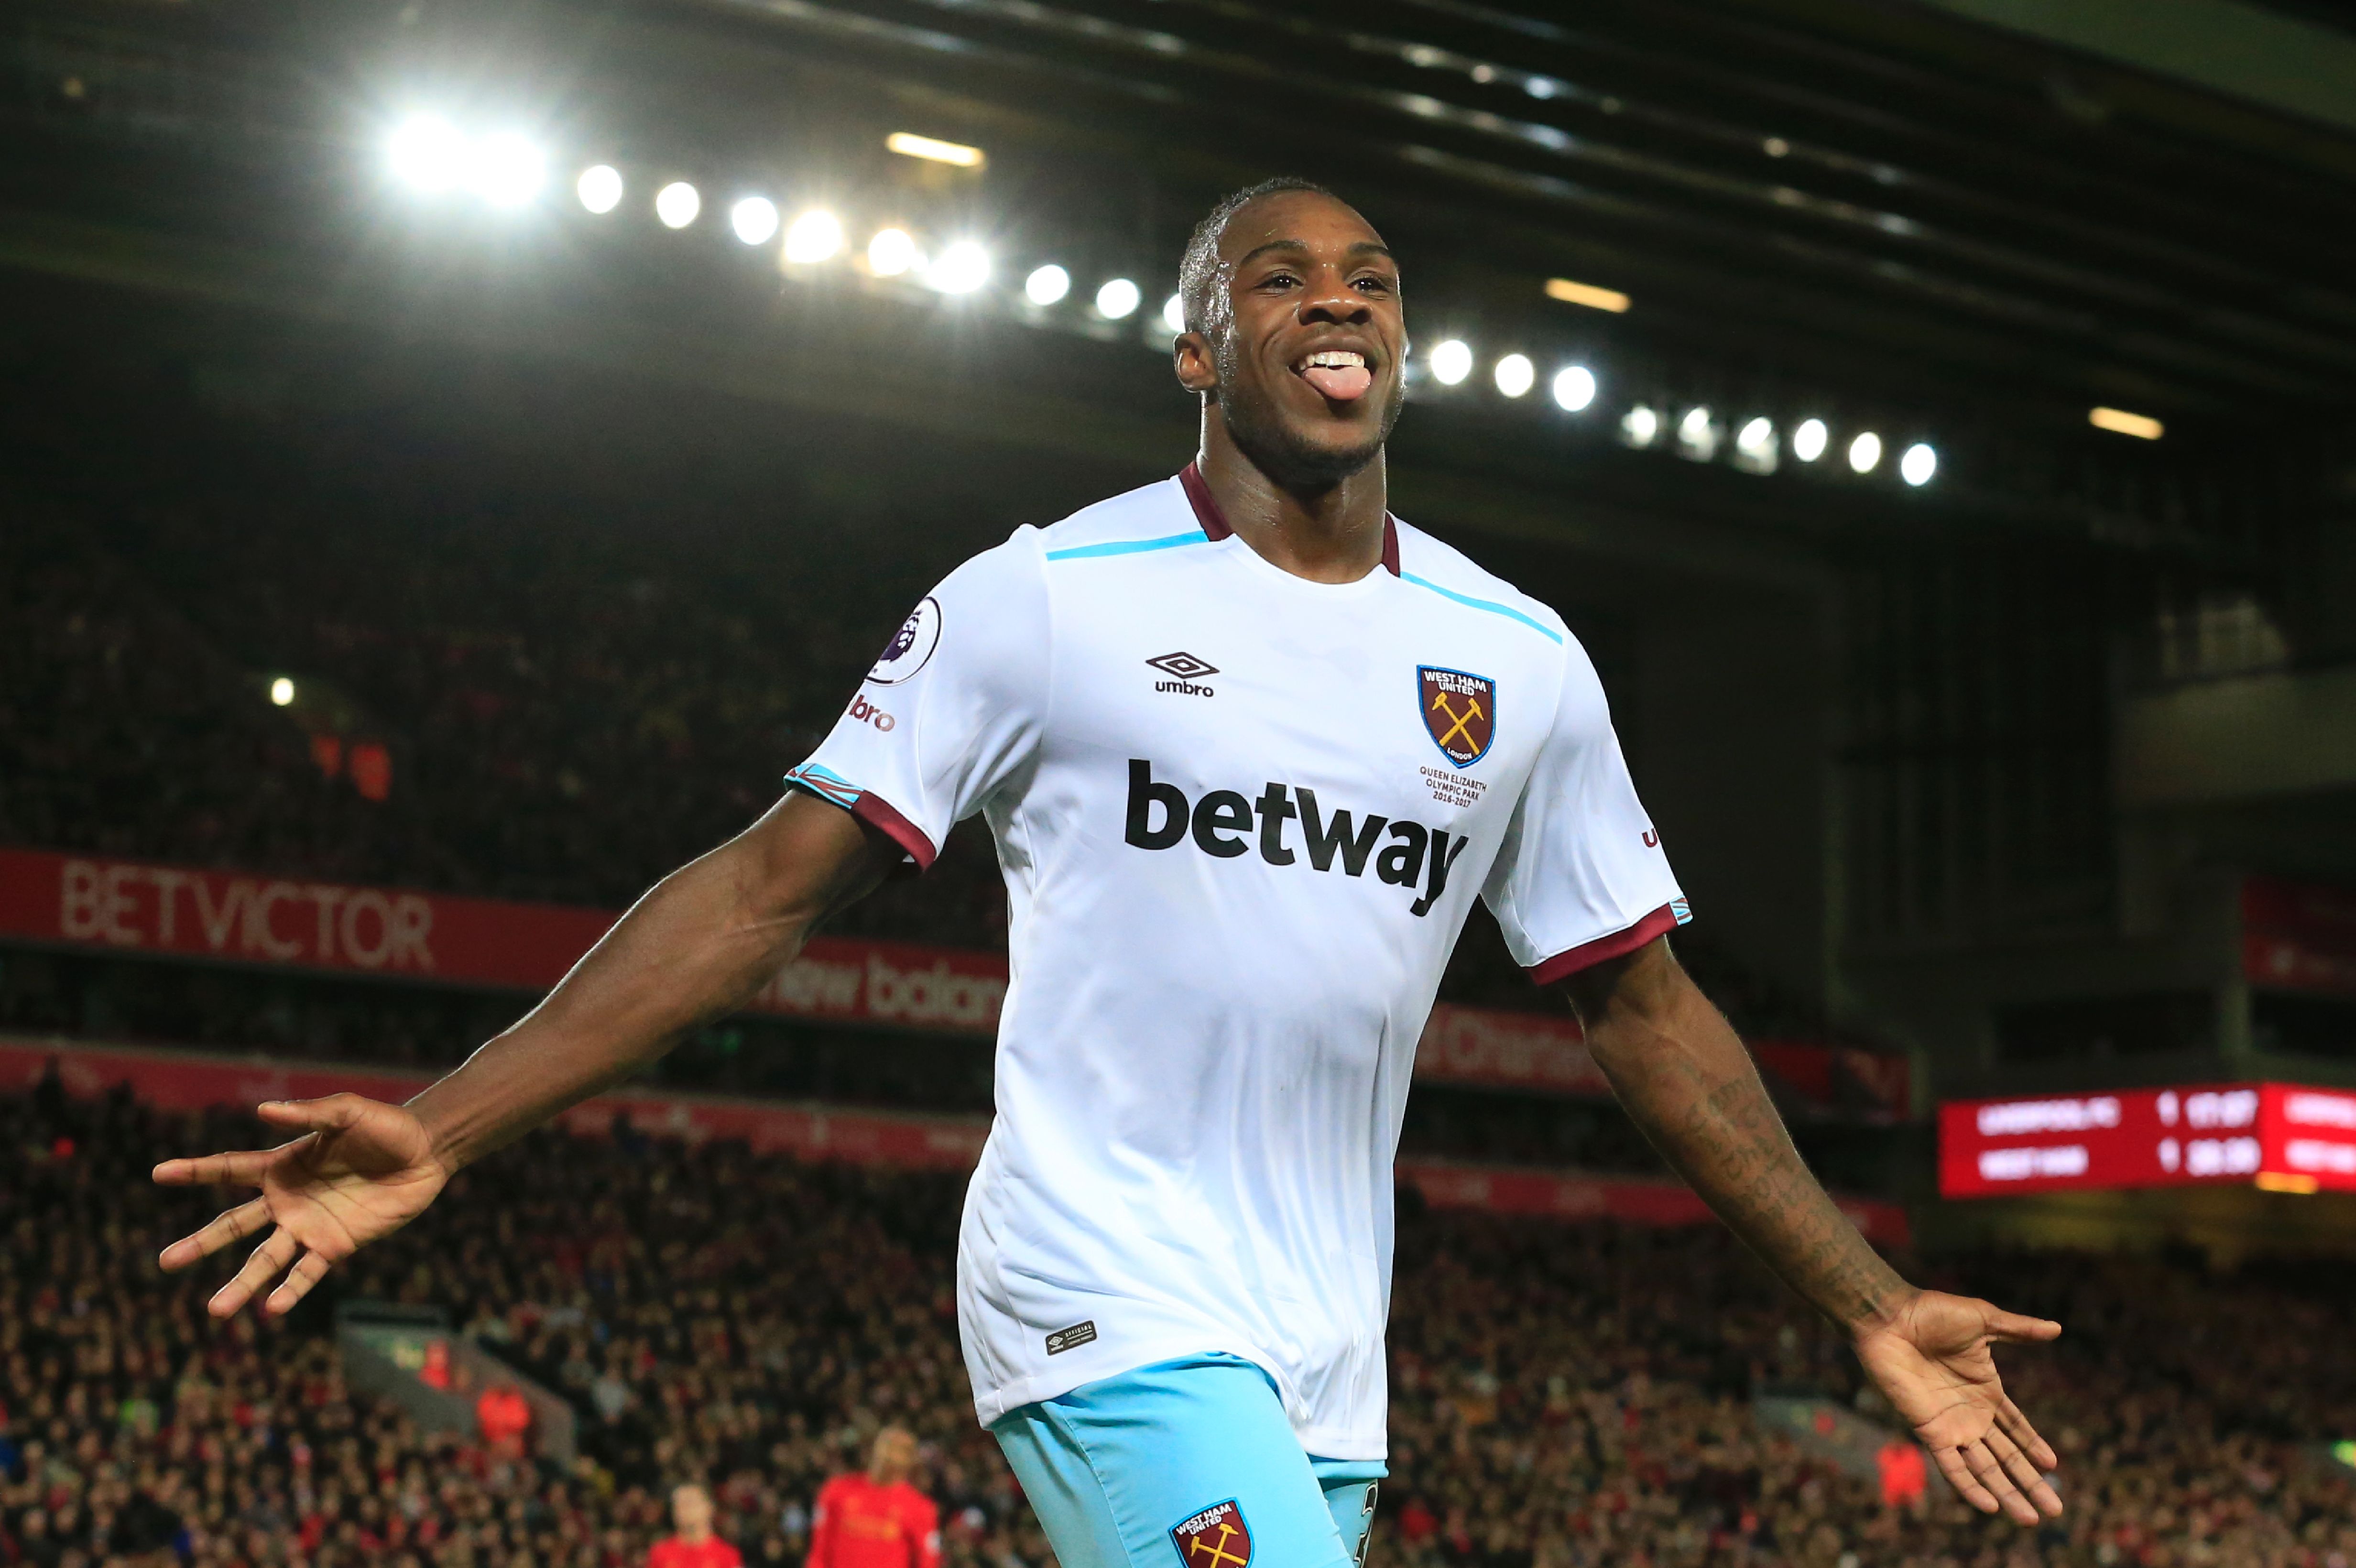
x,y
1587,955
994,1405
1348,1447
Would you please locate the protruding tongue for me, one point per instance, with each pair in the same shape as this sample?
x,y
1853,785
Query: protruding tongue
x,y
1342,383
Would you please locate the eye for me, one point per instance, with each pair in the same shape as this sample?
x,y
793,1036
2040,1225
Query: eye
x,y
1278,278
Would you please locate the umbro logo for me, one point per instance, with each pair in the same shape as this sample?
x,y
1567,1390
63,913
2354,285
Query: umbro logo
x,y
1185,670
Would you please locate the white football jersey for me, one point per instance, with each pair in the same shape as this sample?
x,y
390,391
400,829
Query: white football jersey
x,y
1242,818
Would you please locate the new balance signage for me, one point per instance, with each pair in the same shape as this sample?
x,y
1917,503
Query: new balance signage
x,y
136,907
189,1079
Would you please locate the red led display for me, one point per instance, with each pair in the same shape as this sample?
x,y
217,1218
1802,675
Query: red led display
x,y
2284,1137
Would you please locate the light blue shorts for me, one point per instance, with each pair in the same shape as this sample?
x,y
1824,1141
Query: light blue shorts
x,y
1185,1464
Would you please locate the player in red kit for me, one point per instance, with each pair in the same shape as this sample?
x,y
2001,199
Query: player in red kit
x,y
875,1519
694,1546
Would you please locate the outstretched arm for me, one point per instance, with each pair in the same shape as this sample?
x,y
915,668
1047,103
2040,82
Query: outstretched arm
x,y
1688,1080
695,947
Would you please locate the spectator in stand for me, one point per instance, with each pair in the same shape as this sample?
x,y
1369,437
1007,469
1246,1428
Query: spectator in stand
x,y
1565,1395
539,695
692,1543
874,1519
504,1416
1905,1477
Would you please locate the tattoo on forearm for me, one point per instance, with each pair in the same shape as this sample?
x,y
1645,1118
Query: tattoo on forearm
x,y
1713,1121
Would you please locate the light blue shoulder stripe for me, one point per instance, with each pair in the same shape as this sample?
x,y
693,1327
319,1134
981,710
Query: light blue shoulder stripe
x,y
1129,547
1489,604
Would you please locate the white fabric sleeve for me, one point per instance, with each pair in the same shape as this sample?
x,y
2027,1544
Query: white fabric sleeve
x,y
951,710
1581,875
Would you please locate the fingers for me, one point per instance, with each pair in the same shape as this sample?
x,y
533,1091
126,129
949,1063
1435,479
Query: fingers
x,y
2012,1328
260,1269
1992,1489
1959,1475
2026,1474
1989,1473
308,1271
331,1114
234,1225
243,1169
2015,1425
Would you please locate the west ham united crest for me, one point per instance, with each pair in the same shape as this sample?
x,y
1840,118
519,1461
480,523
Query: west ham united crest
x,y
1215,1538
1459,710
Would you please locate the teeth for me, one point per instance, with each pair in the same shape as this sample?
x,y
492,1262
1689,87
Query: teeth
x,y
1334,358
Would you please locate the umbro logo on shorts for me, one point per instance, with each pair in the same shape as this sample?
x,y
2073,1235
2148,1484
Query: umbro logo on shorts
x,y
1404,853
1185,670
1215,1538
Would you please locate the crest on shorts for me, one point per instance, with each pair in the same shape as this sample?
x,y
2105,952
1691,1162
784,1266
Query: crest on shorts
x,y
1215,1538
1460,711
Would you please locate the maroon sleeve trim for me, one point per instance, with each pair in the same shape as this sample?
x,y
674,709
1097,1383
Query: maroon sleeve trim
x,y
1587,955
879,813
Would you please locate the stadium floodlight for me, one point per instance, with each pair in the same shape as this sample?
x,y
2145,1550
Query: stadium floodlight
x,y
961,268
282,692
1864,452
1118,300
1808,442
1574,387
1174,313
677,204
507,168
907,144
427,152
1046,285
2119,421
1639,426
1698,434
1452,361
755,219
816,236
1917,463
1755,448
1594,297
892,252
599,187
1515,375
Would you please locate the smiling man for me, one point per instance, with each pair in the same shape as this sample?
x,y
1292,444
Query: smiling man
x,y
1249,747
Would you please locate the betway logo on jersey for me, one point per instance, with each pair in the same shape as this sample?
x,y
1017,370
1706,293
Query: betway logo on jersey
x,y
1226,823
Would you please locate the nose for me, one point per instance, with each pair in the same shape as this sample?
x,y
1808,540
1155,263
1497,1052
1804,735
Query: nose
x,y
1330,298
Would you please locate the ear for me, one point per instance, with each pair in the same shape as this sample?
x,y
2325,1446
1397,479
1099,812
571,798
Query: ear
x,y
1198,367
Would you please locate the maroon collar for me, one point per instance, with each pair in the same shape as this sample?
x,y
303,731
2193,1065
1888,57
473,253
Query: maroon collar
x,y
1214,522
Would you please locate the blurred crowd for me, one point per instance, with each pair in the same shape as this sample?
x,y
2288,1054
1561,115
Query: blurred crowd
x,y
569,714
1565,1396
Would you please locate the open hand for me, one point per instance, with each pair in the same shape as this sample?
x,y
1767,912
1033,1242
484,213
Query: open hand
x,y
361,1169
1931,1359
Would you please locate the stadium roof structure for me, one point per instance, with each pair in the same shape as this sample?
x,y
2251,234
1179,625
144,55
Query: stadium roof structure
x,y
1903,217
